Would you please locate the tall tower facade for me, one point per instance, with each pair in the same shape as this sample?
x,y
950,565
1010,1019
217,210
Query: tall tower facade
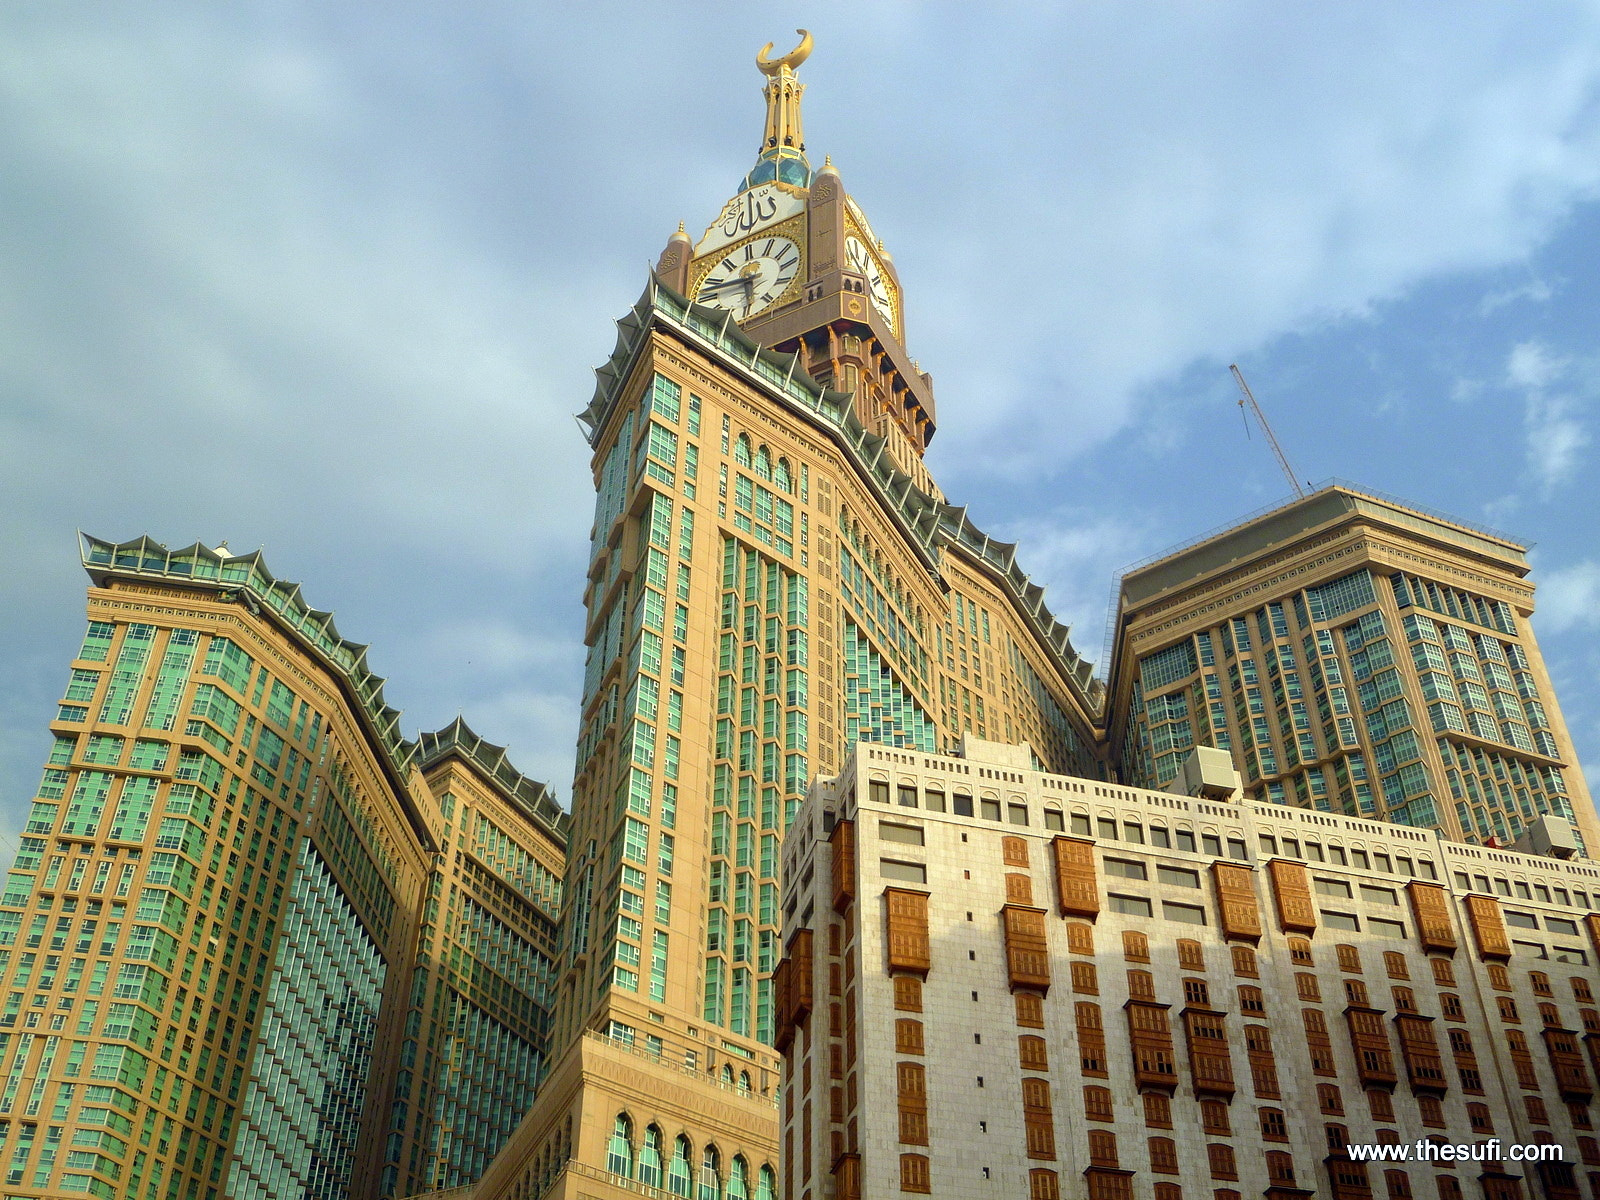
x,y
478,1021
1355,655
254,943
215,897
773,577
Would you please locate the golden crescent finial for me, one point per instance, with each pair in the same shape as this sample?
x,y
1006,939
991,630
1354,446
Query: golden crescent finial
x,y
791,60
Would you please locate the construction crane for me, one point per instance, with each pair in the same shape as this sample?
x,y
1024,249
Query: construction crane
x,y
1246,397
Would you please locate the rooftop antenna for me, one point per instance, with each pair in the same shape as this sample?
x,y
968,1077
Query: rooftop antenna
x,y
1246,398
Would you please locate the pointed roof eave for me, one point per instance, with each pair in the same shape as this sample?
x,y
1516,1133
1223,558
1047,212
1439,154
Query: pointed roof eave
x,y
247,578
533,798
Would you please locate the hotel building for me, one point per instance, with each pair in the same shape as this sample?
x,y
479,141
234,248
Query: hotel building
x,y
776,578
1355,655
244,908
1005,982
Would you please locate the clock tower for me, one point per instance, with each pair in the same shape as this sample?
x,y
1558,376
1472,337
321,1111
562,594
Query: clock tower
x,y
774,577
794,260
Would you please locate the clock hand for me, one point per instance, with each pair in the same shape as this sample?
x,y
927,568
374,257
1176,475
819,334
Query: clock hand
x,y
715,290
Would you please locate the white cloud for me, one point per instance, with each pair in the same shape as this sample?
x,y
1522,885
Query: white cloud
x,y
1556,440
1536,291
1569,597
1531,365
1556,436
1211,183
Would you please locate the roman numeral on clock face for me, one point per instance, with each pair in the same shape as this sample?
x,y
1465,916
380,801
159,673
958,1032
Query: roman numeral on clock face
x,y
747,283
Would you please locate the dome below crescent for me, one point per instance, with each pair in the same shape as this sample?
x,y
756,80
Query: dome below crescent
x,y
784,164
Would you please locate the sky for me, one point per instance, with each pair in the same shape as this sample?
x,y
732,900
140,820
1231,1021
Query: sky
x,y
331,280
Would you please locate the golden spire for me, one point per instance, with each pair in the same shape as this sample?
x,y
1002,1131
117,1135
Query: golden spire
x,y
783,93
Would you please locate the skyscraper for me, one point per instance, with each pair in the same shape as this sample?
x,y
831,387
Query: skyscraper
x,y
255,944
218,882
477,1033
774,576
1356,655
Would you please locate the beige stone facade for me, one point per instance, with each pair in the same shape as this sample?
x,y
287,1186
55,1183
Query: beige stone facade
x,y
1003,982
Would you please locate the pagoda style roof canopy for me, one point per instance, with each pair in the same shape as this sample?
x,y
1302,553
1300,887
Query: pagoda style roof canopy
x,y
530,796
245,578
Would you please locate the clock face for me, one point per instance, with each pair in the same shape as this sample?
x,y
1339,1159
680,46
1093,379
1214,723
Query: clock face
x,y
864,263
750,278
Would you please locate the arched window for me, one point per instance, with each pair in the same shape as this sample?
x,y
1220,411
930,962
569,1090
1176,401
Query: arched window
x,y
650,1158
1244,962
1222,1161
1300,952
1214,1117
744,1081
711,1175
1102,1148
619,1152
738,1179
1163,1155
1033,1053
914,1175
1135,947
1280,1167
741,451
1098,1103
782,477
679,1172
764,464
767,1184
1397,1184
727,1074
